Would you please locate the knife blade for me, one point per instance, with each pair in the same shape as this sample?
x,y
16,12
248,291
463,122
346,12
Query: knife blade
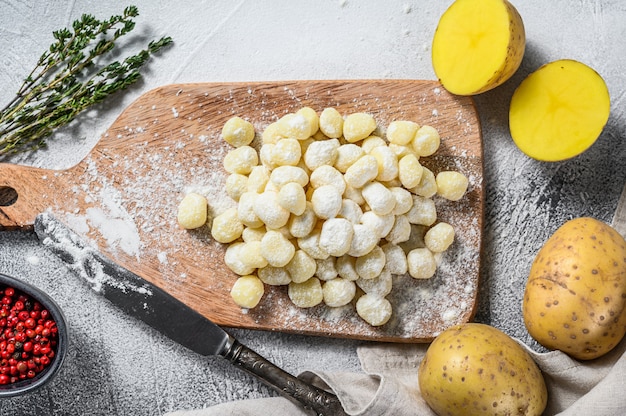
x,y
160,310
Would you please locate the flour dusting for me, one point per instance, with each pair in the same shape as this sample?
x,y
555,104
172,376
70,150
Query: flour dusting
x,y
126,206
80,257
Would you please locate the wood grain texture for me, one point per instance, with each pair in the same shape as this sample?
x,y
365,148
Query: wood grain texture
x,y
168,141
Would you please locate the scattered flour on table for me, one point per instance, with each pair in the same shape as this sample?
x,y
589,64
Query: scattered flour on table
x,y
33,260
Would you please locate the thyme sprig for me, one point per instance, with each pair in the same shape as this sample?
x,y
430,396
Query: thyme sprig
x,y
68,78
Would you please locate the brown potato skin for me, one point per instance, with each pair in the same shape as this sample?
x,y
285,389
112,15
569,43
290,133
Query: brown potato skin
x,y
575,296
476,369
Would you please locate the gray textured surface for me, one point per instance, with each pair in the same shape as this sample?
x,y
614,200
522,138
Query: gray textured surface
x,y
118,366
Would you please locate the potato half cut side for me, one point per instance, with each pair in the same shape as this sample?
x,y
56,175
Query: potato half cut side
x,y
559,111
477,45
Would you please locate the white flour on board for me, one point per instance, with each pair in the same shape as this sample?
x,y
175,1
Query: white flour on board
x,y
79,256
112,220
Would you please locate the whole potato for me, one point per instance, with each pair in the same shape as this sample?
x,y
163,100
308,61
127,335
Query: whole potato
x,y
576,292
477,369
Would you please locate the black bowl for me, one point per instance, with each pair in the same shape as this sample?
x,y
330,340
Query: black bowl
x,y
28,385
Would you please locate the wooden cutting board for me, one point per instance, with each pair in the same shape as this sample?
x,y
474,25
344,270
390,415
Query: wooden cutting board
x,y
123,197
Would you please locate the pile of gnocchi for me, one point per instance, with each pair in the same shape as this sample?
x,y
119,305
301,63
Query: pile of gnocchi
x,y
330,206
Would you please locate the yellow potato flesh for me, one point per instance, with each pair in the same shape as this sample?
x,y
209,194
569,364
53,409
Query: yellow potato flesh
x,y
478,45
575,297
559,111
475,369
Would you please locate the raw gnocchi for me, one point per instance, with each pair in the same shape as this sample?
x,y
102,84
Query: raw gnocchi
x,y
247,291
238,132
192,211
374,309
327,204
338,292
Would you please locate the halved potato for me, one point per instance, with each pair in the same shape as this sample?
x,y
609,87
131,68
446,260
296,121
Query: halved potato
x,y
559,111
478,45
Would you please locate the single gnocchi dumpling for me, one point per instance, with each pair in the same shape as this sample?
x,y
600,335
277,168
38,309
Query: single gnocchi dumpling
x,y
271,134
338,292
421,263
274,276
312,118
423,211
372,142
374,309
301,225
379,198
285,152
451,185
311,245
247,291
381,285
236,184
381,225
331,123
276,248
226,226
426,141
362,171
350,211
292,198
427,186
387,163
327,175
347,154
404,200
257,179
319,153
346,267
401,230
364,240
301,267
269,210
241,160
395,259
238,132
192,211
336,236
439,237
401,132
358,126
295,126
251,256
326,201
306,294
354,194
250,234
410,171
285,174
371,265
232,259
245,210
325,268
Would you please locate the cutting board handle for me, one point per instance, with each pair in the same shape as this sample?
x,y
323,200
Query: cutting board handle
x,y
24,192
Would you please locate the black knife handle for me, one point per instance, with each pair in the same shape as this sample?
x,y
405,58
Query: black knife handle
x,y
313,399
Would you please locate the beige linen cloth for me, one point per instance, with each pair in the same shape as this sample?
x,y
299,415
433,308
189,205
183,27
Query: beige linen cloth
x,y
388,384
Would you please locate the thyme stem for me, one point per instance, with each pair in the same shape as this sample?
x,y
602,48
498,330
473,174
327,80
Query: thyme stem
x,y
68,78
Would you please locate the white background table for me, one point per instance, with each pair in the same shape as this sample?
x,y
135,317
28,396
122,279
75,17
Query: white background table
x,y
116,365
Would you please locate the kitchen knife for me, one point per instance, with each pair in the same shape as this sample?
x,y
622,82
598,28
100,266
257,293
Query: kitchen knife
x,y
145,301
